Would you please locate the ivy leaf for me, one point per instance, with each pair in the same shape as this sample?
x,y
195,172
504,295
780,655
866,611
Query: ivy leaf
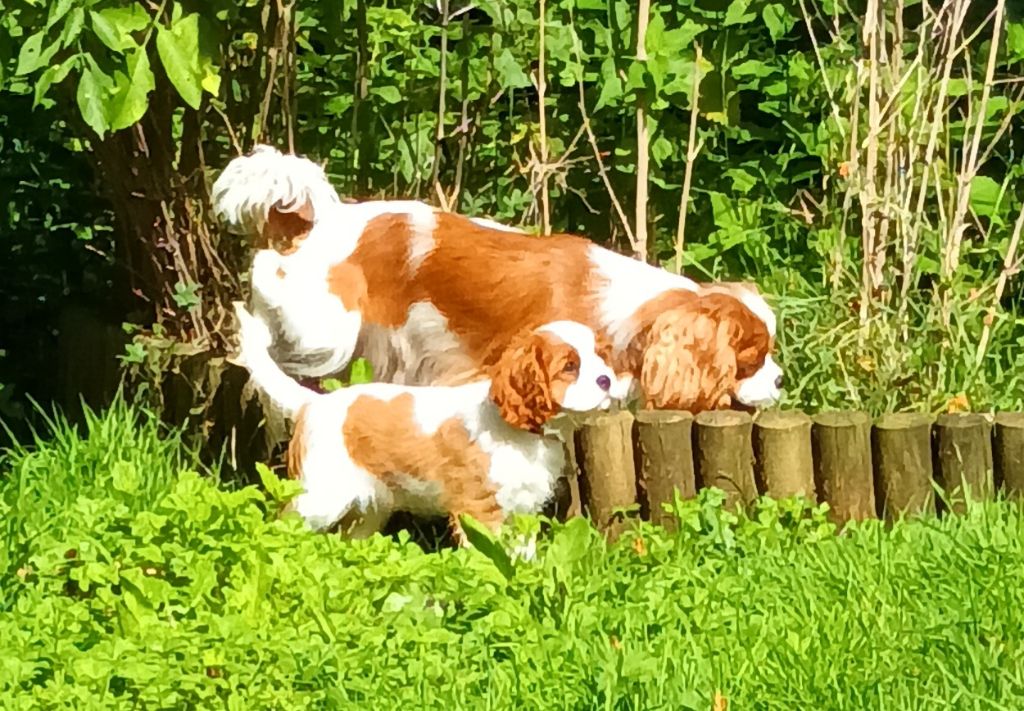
x,y
94,88
132,99
511,74
178,48
32,55
110,33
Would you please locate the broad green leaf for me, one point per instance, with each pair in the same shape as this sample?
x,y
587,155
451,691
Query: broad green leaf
x,y
110,33
57,12
389,94
738,13
655,33
132,100
53,75
1015,40
211,81
94,89
611,84
777,19
985,196
510,73
33,55
125,477
742,181
178,48
132,18
72,27
280,490
485,542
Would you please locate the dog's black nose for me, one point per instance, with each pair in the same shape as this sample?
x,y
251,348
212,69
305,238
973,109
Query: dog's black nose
x,y
604,382
778,382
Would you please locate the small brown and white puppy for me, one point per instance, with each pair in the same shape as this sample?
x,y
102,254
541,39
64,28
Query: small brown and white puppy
x,y
480,448
431,298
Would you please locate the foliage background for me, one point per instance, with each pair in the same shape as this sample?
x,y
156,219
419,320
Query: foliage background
x,y
861,162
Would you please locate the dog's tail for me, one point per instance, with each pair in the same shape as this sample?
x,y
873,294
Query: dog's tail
x,y
266,180
254,343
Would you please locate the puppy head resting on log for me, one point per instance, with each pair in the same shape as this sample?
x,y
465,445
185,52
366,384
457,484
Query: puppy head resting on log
x,y
479,448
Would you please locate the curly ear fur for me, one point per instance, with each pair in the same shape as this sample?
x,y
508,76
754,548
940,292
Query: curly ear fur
x,y
521,387
688,363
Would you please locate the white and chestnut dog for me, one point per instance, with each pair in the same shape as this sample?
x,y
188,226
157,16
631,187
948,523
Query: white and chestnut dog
x,y
479,448
430,297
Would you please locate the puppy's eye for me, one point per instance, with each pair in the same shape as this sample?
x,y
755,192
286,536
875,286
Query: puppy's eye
x,y
571,367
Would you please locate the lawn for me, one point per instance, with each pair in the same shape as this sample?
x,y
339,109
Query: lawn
x,y
131,581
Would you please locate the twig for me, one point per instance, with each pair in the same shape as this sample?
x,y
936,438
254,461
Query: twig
x,y
642,140
692,149
1009,268
442,98
971,163
545,212
592,139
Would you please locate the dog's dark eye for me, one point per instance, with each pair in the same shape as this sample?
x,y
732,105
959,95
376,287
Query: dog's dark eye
x,y
571,367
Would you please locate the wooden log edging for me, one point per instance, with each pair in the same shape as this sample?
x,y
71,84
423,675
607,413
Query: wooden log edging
x,y
889,468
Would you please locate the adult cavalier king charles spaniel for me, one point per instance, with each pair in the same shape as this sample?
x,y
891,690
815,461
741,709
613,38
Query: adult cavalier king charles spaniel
x,y
430,297
480,448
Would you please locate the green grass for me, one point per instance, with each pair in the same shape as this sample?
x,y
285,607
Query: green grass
x,y
199,597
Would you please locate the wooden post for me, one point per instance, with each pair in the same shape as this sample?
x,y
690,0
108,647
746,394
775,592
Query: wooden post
x,y
782,454
664,448
903,464
842,454
605,454
964,458
1008,456
724,454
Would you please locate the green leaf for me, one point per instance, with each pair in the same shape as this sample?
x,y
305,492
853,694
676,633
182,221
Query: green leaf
x,y
111,34
94,89
178,48
72,27
1015,40
738,13
485,542
53,75
132,100
132,18
280,490
510,73
125,477
389,94
33,55
777,20
361,372
611,84
985,196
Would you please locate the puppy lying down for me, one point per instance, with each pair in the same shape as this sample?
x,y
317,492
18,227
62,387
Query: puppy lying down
x,y
481,448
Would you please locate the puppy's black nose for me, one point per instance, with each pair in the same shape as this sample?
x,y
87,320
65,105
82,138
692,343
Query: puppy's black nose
x,y
778,382
604,382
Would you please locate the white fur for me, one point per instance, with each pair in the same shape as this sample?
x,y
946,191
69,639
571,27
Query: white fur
x,y
629,284
523,466
761,389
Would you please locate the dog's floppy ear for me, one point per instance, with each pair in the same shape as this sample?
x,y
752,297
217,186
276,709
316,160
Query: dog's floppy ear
x,y
688,363
287,226
520,384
